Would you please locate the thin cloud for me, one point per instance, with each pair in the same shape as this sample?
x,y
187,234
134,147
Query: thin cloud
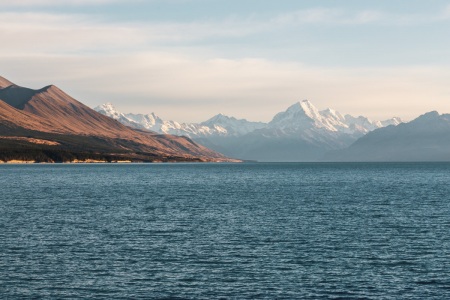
x,y
56,33
37,3
333,16
445,13
160,81
59,33
156,65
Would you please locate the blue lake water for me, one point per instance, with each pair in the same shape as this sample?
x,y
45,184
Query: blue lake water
x,y
203,231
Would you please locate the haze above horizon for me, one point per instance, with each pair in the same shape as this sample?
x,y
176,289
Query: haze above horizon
x,y
188,60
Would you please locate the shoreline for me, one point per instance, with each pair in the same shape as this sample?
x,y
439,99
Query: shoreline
x,y
29,162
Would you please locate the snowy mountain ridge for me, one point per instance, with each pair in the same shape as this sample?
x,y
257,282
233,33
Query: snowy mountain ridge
x,y
304,115
219,125
300,116
300,133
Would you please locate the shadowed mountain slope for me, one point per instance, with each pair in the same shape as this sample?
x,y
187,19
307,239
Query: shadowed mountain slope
x,y
11,118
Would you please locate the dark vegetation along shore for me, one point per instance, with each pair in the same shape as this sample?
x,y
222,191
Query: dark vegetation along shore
x,y
70,149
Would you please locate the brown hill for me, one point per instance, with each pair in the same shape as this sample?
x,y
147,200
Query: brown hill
x,y
52,114
12,119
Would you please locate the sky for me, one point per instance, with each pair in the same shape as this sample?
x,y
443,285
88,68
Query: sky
x,y
188,60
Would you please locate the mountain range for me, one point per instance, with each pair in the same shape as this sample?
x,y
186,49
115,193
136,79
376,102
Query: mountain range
x,y
426,138
48,125
301,133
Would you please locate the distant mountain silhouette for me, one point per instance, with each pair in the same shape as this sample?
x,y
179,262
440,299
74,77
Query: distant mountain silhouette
x,y
51,113
427,138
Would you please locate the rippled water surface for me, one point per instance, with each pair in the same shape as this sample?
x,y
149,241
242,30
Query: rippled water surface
x,y
225,231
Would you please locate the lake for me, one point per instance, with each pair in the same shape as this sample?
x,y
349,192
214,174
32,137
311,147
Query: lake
x,y
204,231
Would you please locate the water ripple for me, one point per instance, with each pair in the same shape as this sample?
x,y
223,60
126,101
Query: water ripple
x,y
201,231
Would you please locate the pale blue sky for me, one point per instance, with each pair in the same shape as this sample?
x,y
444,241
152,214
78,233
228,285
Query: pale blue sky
x,y
190,59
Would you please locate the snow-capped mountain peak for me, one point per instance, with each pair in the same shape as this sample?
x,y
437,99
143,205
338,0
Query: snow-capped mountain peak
x,y
108,109
219,119
331,113
301,116
303,107
147,121
233,126
304,115
393,121
310,110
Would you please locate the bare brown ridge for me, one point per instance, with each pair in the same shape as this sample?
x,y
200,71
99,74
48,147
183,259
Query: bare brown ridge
x,y
51,110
